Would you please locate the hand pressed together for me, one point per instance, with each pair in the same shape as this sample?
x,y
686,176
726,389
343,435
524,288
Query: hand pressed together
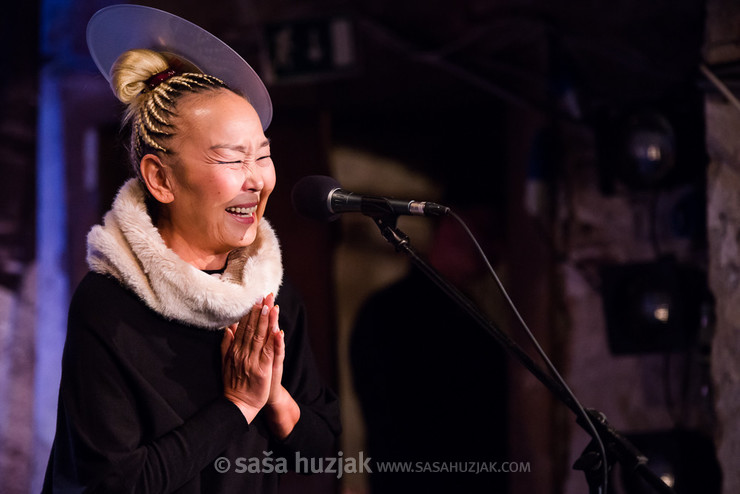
x,y
253,352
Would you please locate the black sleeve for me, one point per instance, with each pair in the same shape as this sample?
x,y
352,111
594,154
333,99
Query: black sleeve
x,y
100,432
108,413
317,429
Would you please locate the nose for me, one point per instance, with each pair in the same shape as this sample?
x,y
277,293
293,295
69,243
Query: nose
x,y
253,180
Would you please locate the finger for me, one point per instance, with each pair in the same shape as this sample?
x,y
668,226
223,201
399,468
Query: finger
x,y
274,343
274,317
259,338
268,303
249,322
277,336
270,300
227,340
277,363
268,306
267,355
247,327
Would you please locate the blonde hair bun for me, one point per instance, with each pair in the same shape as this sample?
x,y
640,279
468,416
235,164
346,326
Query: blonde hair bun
x,y
131,71
133,68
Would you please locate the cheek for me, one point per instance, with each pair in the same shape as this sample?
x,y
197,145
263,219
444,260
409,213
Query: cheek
x,y
222,186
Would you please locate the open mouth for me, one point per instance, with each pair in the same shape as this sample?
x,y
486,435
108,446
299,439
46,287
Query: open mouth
x,y
242,212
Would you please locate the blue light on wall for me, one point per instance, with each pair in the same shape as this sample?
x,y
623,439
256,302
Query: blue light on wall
x,y
52,279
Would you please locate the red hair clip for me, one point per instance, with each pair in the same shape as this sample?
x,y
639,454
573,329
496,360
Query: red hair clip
x,y
158,79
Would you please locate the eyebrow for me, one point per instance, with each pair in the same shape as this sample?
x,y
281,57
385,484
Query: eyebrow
x,y
241,149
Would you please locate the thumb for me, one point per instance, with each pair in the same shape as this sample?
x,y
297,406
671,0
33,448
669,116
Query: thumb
x,y
227,339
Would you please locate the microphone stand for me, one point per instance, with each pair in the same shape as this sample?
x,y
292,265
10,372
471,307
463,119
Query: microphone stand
x,y
618,448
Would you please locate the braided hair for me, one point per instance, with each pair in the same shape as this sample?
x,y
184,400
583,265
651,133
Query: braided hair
x,y
150,83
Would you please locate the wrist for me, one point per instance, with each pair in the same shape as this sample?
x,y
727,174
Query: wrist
x,y
282,413
248,411
279,399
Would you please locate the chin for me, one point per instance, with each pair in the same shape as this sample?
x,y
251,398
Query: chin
x,y
249,236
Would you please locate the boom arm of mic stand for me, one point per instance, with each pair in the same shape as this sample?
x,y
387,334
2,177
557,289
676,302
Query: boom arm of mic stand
x,y
617,447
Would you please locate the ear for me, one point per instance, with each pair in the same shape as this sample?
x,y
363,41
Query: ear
x,y
156,178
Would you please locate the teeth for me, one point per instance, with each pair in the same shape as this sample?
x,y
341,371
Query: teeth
x,y
242,211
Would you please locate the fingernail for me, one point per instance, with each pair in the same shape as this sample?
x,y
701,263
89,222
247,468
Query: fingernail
x,y
265,310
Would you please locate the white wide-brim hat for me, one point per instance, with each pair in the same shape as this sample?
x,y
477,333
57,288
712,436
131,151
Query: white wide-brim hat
x,y
119,28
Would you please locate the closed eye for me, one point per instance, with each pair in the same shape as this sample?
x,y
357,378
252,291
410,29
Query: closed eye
x,y
241,161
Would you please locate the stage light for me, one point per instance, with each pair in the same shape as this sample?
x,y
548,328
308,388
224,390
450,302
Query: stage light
x,y
651,144
649,148
652,307
684,459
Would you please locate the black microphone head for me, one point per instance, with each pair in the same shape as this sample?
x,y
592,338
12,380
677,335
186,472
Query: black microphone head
x,y
310,197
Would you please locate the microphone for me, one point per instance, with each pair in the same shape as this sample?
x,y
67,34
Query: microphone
x,y
322,198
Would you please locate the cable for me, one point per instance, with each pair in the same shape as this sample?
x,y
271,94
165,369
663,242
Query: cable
x,y
541,352
388,38
720,85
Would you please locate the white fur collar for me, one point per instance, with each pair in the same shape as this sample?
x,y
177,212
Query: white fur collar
x,y
128,247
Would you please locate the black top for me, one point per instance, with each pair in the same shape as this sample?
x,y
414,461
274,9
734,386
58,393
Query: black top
x,y
141,406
